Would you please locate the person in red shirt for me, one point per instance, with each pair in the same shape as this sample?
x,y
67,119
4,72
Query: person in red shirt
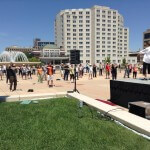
x,y
107,70
50,75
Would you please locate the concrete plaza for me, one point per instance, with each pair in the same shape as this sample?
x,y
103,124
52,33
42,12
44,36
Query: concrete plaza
x,y
97,88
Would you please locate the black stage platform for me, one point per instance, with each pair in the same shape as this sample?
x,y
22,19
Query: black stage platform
x,y
129,90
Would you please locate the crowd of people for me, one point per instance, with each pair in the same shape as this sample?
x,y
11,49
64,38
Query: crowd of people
x,y
68,72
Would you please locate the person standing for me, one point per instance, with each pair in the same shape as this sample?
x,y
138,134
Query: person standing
x,y
107,70
54,69
66,72
94,71
44,73
90,72
24,72
1,73
39,74
77,72
100,69
127,71
114,71
87,68
62,70
29,72
135,69
12,77
4,70
119,68
80,70
20,71
146,61
50,75
71,73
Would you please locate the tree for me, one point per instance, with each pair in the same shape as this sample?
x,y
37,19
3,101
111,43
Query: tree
x,y
107,59
31,57
29,54
34,59
124,62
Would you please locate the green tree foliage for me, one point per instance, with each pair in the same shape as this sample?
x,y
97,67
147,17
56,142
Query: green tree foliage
x,y
31,57
34,59
124,62
107,59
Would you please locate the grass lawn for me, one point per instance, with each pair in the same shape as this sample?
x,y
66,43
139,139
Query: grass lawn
x,y
54,125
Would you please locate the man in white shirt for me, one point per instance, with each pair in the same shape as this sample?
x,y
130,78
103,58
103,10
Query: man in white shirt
x,y
146,60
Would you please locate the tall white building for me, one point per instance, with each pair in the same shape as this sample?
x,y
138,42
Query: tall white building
x,y
98,33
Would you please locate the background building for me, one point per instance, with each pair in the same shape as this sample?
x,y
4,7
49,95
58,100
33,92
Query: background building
x,y
52,54
20,49
38,44
98,33
146,38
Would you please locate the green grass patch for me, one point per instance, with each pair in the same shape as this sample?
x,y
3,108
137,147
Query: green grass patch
x,y
54,125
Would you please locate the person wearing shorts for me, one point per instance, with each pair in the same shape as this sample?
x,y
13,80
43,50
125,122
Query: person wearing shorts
x,y
50,75
146,61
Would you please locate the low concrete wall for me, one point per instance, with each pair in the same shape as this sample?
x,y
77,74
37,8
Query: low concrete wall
x,y
130,120
16,98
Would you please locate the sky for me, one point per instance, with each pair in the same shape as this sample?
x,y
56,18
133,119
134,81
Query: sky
x,y
23,20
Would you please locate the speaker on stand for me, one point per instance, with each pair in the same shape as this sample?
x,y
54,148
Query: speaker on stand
x,y
75,59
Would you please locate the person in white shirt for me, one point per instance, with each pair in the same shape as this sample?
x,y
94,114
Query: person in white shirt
x,y
146,61
90,72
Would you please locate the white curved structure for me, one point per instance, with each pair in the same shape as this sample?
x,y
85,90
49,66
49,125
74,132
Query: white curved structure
x,y
13,56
